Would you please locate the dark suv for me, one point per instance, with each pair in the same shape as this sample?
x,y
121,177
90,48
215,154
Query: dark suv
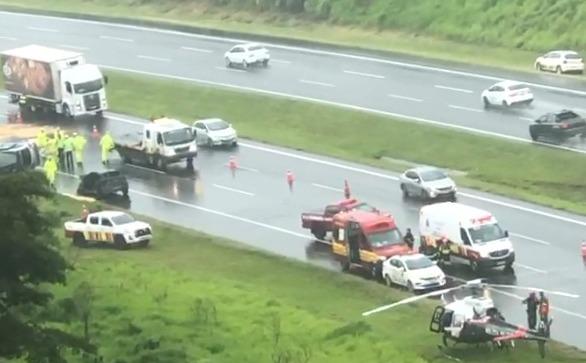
x,y
558,126
103,184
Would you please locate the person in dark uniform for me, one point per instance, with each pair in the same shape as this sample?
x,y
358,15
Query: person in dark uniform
x,y
532,304
409,239
444,251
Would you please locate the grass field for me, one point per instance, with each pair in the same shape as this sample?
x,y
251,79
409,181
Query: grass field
x,y
191,298
525,171
508,34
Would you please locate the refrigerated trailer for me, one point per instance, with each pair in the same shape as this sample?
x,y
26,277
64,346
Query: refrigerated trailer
x,y
53,80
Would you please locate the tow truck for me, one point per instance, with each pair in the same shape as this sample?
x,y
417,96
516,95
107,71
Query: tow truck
x,y
163,141
364,239
321,223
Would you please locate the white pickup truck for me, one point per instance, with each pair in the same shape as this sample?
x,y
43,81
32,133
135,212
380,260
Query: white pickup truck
x,y
114,227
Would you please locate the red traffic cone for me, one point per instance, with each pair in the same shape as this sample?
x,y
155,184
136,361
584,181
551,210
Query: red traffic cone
x,y
95,132
346,189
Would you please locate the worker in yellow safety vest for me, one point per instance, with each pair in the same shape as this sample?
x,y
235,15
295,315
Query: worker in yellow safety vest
x,y
51,147
50,170
107,144
79,146
68,152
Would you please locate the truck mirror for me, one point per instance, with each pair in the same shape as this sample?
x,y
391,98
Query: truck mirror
x,y
105,79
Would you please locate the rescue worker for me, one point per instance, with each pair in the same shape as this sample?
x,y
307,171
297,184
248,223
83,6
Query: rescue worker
x,y
409,239
532,304
444,250
51,147
42,139
79,142
60,137
107,144
543,308
68,151
50,168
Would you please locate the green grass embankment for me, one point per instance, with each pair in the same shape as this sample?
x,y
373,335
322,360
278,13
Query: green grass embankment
x,y
191,298
494,33
533,173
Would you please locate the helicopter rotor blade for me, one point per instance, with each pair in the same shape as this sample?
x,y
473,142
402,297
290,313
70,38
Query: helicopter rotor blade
x,y
408,300
560,293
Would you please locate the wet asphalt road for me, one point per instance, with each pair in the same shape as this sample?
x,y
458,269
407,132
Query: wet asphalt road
x,y
256,208
399,86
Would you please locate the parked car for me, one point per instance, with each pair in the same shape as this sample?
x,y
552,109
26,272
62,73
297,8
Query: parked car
x,y
103,184
246,55
415,272
558,126
560,61
507,93
214,132
427,182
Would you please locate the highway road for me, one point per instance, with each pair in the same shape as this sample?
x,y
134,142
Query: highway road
x,y
425,93
256,207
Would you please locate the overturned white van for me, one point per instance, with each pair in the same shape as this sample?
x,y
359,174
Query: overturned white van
x,y
474,235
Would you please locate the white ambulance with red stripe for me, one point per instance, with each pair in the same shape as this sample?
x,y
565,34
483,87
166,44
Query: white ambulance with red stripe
x,y
474,236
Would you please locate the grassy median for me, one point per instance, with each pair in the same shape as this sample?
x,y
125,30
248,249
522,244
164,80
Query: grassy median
x,y
530,172
498,36
191,297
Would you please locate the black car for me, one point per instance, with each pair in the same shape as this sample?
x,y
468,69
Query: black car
x,y
103,184
558,126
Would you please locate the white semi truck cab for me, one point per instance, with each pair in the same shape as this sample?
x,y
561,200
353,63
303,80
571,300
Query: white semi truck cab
x,y
53,80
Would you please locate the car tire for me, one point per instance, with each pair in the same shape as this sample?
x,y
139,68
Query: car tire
x,y
120,242
410,287
265,63
405,191
534,135
376,271
538,67
79,240
558,70
144,243
161,165
228,63
235,144
505,104
453,198
244,64
486,102
345,265
388,281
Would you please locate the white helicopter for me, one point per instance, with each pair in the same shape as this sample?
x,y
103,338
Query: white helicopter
x,y
474,319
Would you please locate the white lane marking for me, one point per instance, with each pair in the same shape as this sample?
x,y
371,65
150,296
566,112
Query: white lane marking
x,y
248,169
159,59
525,118
280,61
365,74
107,37
521,298
463,108
327,187
453,89
226,69
581,110
233,190
145,168
526,267
296,49
390,177
45,30
75,47
4,96
200,50
542,242
114,117
405,98
7,38
316,83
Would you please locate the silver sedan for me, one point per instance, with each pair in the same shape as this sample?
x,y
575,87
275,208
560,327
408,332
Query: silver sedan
x,y
427,183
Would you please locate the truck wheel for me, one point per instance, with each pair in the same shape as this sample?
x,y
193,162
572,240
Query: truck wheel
x,y
100,115
410,287
318,233
161,165
404,190
377,271
345,266
79,240
388,281
265,63
486,102
125,192
66,111
144,243
120,242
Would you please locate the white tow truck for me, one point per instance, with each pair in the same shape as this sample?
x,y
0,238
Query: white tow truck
x,y
115,227
163,141
53,80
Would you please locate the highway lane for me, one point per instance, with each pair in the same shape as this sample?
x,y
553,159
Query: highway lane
x,y
256,208
420,92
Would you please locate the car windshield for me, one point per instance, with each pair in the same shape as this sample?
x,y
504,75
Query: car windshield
x,y
180,136
418,263
217,125
433,174
256,47
87,87
122,219
385,238
517,87
573,56
486,233
562,116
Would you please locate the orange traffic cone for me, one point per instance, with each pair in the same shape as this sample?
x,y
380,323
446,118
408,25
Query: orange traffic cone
x,y
95,132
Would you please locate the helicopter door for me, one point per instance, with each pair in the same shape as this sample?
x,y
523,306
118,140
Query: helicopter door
x,y
437,319
354,235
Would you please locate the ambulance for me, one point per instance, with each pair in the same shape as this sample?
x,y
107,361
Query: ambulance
x,y
474,236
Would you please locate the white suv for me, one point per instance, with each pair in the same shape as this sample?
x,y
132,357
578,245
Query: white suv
x,y
560,61
507,93
247,54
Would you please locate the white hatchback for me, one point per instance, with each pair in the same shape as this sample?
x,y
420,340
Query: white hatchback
x,y
416,272
560,61
247,54
214,132
507,93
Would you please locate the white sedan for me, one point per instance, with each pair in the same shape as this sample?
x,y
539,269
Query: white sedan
x,y
214,132
247,54
560,61
416,272
507,93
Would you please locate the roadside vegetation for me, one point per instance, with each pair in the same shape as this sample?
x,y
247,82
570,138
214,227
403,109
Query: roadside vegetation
x,y
191,297
530,172
495,33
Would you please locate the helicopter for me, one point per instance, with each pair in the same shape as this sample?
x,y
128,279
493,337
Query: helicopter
x,y
474,319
